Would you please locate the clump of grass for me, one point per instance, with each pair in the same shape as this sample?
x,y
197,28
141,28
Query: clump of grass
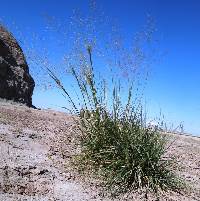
x,y
116,141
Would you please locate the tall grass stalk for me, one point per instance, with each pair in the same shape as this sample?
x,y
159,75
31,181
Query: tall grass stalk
x,y
116,140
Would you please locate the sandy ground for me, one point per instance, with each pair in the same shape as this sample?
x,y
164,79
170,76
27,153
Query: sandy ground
x,y
36,148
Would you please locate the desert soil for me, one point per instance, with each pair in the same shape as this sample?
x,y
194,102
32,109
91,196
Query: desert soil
x,y
36,150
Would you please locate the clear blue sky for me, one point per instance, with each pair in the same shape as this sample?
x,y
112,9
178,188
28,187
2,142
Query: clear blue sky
x,y
174,85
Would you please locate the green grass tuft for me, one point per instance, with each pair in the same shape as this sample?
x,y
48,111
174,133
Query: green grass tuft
x,y
116,140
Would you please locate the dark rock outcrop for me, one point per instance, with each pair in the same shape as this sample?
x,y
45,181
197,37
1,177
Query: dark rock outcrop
x,y
15,81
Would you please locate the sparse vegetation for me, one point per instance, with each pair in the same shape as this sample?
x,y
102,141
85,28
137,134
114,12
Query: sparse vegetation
x,y
117,143
116,140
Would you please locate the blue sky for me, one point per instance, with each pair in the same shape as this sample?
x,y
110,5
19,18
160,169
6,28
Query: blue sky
x,y
174,84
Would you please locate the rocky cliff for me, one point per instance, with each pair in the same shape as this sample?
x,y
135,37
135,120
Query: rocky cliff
x,y
15,81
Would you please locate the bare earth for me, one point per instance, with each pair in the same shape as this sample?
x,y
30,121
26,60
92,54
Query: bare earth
x,y
36,147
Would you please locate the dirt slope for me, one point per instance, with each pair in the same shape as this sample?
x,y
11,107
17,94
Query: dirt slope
x,y
36,147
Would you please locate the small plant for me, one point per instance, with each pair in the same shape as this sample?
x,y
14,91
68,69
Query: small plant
x,y
116,141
